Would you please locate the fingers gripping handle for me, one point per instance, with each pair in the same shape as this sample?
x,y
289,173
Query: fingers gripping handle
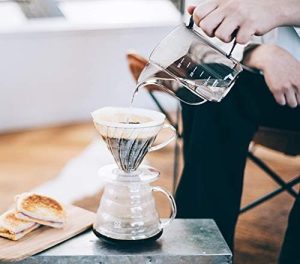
x,y
165,143
234,34
171,200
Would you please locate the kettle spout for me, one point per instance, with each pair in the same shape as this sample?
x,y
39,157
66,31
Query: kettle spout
x,y
148,72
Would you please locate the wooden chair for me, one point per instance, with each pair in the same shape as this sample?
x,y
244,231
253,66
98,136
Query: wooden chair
x,y
287,142
284,141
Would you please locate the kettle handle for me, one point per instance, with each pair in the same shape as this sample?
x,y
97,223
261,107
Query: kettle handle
x,y
171,200
191,25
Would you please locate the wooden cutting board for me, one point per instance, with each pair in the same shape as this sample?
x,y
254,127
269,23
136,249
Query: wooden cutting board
x,y
44,237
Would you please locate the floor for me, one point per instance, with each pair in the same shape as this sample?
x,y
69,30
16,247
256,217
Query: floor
x,y
29,158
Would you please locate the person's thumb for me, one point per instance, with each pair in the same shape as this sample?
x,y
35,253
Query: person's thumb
x,y
191,9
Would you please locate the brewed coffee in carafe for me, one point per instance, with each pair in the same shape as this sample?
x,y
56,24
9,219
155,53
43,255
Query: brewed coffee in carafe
x,y
188,66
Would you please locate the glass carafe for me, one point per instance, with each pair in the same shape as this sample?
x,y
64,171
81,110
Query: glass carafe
x,y
188,66
127,210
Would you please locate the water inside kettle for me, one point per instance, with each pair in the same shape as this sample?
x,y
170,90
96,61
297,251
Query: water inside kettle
x,y
209,80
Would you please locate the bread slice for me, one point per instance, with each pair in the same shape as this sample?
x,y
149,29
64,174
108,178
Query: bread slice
x,y
13,228
40,209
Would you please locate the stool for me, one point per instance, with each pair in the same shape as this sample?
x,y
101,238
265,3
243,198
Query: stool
x,y
190,241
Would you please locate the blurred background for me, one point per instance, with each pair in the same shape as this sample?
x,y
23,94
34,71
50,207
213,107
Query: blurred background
x,y
60,60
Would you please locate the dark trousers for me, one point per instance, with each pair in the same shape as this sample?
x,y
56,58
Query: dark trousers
x,y
216,139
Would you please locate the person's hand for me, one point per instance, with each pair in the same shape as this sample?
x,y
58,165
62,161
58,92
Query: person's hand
x,y
225,18
281,71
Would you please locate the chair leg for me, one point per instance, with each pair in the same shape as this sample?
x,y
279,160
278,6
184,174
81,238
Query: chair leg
x,y
270,195
168,117
176,152
175,166
177,147
272,174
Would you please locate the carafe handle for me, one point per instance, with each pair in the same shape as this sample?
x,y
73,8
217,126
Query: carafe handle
x,y
171,200
165,143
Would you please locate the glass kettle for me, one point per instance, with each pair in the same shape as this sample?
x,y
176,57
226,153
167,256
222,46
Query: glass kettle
x,y
188,66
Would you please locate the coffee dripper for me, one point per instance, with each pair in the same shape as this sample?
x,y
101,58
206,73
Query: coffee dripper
x,y
127,212
188,66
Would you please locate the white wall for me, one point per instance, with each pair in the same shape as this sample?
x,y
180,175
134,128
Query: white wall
x,y
55,71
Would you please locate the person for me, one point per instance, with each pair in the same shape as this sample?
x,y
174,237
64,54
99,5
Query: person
x,y
217,135
221,18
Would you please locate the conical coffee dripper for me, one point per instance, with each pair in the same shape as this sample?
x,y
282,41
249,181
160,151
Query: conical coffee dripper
x,y
130,133
127,212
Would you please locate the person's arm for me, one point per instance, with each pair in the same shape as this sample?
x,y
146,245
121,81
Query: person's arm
x,y
281,72
223,18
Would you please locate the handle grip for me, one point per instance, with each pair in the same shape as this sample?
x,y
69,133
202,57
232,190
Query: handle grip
x,y
171,200
165,143
191,25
